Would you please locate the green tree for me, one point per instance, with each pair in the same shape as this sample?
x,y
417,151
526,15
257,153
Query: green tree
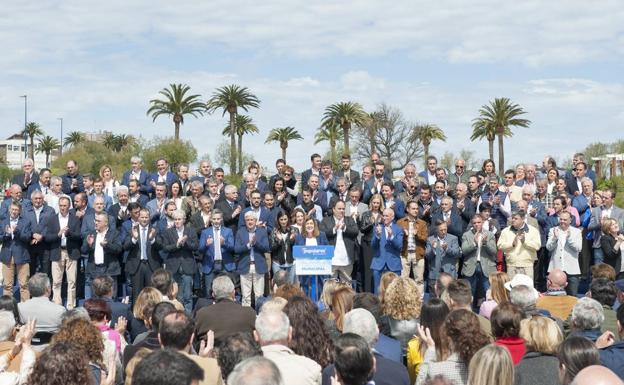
x,y
329,132
74,138
501,115
31,130
176,104
117,142
244,126
175,151
345,115
427,133
230,99
47,144
283,136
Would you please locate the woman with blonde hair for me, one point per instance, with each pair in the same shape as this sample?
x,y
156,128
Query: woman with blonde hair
x,y
386,279
496,294
402,305
341,304
491,365
110,183
540,364
367,222
147,299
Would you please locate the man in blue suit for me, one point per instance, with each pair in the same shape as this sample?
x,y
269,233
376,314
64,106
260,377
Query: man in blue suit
x,y
17,197
137,173
387,243
216,245
315,169
38,214
429,175
442,253
374,184
450,215
163,175
262,214
398,206
319,197
251,243
15,234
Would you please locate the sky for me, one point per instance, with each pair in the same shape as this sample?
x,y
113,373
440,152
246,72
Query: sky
x,y
97,65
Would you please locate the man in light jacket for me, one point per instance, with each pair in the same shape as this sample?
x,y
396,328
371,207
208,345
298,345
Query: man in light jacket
x,y
564,244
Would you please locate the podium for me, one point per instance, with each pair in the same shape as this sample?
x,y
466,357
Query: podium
x,y
314,262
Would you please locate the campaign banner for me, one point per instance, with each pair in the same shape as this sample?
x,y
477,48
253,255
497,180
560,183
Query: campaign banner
x,y
313,260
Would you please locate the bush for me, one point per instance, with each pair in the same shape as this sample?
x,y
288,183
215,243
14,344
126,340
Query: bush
x,y
175,151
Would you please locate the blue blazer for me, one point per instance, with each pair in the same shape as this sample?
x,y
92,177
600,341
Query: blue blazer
x,y
370,188
441,260
208,251
399,209
4,208
67,189
258,249
321,199
108,201
88,224
169,179
15,246
144,179
425,176
387,251
456,227
320,240
265,216
44,218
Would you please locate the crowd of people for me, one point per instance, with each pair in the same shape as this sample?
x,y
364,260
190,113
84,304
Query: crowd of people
x,y
438,277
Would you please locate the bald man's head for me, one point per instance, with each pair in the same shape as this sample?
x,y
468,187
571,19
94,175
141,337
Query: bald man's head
x,y
557,279
596,375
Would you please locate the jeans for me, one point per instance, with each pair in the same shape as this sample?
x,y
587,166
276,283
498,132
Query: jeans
x,y
477,280
217,270
185,289
290,269
573,285
598,256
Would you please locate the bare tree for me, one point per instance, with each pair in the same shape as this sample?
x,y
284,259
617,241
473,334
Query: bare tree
x,y
390,136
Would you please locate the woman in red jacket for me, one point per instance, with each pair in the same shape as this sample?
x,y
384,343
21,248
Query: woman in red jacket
x,y
505,321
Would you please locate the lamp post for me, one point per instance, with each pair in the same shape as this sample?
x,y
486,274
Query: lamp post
x,y
25,124
61,119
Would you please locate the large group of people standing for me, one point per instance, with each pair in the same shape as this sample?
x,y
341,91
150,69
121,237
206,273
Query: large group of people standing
x,y
438,277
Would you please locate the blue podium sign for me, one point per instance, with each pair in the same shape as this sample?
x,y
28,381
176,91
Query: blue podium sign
x,y
313,260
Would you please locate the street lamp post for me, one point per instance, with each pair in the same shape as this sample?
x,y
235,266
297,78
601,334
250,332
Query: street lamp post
x,y
25,124
61,119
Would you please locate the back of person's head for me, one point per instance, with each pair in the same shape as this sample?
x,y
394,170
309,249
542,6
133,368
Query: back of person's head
x,y
603,290
75,313
167,367
459,293
39,285
505,320
620,317
597,375
497,286
176,330
272,327
587,314
280,278
370,302
61,363
342,303
491,365
7,325
148,298
462,334
432,316
362,323
83,334
159,313
134,361
274,304
353,359
233,349
386,280
441,283
8,302
328,290
541,334
403,299
163,281
98,309
523,296
603,270
102,286
575,353
222,287
287,291
255,371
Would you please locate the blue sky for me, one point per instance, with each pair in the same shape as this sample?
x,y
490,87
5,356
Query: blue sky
x,y
97,65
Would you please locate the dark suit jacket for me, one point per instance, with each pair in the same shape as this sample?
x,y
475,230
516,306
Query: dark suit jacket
x,y
4,207
456,226
353,178
88,223
38,227
387,372
180,257
19,180
73,236
228,220
67,189
143,180
260,247
112,252
114,212
133,256
225,317
349,235
306,175
370,188
15,246
197,221
169,179
265,216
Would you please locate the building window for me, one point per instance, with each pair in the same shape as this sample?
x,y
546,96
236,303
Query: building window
x,y
23,149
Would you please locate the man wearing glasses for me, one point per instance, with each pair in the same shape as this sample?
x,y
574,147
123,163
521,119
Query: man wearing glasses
x,y
460,175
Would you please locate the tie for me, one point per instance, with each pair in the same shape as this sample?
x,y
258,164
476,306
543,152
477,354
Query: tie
x,y
143,244
26,179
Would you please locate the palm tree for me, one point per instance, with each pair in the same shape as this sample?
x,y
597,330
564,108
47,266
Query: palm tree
x,y
31,130
230,99
427,133
177,104
482,130
109,141
283,136
74,138
345,114
329,132
47,144
244,126
501,114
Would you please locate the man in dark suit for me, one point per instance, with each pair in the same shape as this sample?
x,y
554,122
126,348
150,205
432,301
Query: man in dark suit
x,y
28,177
398,206
137,173
251,183
200,220
319,197
216,245
72,180
409,178
262,214
15,234
104,251
119,210
38,214
180,243
252,241
314,170
342,192
103,289
428,175
16,196
442,253
162,175
205,173
230,208
135,195
450,215
387,243
373,185
156,206
43,184
574,180
341,232
88,221
352,177
141,244
64,241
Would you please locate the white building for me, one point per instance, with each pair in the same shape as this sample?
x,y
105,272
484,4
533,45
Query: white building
x,y
12,152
